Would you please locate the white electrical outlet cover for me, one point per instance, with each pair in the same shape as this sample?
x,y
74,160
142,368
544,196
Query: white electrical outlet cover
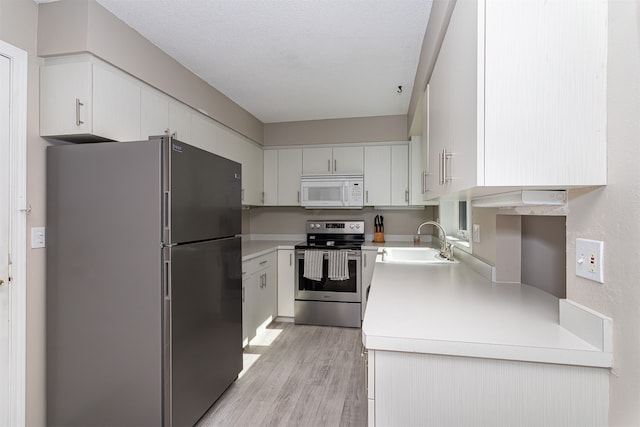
x,y
589,262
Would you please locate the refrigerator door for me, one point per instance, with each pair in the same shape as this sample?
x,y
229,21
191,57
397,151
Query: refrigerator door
x,y
104,311
206,325
205,192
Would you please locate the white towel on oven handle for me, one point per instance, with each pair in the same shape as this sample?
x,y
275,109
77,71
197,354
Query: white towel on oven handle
x,y
338,265
313,265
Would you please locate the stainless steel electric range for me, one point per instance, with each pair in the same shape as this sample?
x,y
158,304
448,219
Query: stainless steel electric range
x,y
324,298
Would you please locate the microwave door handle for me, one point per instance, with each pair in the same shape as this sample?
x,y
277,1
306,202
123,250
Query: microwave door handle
x,y
345,199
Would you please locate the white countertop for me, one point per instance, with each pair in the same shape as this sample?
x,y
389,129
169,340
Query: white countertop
x,y
256,248
451,310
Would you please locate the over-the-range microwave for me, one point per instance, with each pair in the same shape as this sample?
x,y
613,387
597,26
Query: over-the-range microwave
x,y
332,191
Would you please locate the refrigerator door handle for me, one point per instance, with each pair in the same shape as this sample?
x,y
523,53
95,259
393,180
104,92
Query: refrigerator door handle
x,y
166,279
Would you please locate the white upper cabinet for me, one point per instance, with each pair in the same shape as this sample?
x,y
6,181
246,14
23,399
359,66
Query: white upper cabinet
x,y
377,177
332,160
270,178
518,96
386,175
88,100
399,175
289,172
180,121
154,113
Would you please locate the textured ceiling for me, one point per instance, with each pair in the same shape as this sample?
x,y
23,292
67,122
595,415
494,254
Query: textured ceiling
x,y
290,60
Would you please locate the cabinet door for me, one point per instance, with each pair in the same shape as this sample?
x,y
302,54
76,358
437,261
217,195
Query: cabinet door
x,y
417,170
247,309
116,105
154,113
377,177
270,178
545,124
317,161
462,74
271,287
438,122
252,172
290,162
180,121
286,282
204,134
399,175
348,160
66,102
266,286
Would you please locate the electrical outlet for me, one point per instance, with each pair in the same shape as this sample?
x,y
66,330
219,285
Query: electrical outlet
x,y
589,254
37,237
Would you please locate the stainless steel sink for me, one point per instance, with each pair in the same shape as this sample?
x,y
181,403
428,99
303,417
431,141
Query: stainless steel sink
x,y
414,255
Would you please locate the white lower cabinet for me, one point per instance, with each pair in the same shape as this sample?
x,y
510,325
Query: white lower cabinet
x,y
259,295
436,390
286,282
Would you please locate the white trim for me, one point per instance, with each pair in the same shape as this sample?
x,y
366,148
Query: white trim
x,y
17,218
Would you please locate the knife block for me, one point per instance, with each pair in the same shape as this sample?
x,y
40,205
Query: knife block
x,y
378,237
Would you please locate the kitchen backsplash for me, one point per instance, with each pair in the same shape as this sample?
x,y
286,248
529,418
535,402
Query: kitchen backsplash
x,y
291,220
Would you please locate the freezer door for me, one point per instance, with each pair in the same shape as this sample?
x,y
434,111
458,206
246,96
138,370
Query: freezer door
x,y
206,325
205,194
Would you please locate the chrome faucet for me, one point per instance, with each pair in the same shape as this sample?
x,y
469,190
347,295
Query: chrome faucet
x,y
446,248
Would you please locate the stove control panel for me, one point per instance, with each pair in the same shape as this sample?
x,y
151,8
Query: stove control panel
x,y
335,227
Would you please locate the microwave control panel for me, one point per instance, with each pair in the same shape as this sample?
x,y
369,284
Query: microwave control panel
x,y
356,193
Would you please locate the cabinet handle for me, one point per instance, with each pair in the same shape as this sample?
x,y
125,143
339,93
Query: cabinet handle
x,y
263,262
290,259
263,197
406,196
243,294
78,105
298,196
335,166
366,193
445,173
440,167
365,260
242,195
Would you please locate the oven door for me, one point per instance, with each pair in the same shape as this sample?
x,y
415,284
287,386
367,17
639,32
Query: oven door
x,y
348,290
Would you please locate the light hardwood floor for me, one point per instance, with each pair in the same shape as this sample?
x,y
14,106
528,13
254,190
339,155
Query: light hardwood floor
x,y
300,376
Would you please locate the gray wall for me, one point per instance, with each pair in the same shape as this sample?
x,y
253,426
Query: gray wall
x,y
291,220
362,129
544,253
611,214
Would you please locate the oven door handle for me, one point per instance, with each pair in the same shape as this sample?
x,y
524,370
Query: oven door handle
x,y
350,253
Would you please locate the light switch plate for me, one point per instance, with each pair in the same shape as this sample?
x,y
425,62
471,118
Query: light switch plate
x,y
589,259
37,237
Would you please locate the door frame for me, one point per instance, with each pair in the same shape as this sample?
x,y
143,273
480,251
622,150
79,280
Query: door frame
x,y
18,230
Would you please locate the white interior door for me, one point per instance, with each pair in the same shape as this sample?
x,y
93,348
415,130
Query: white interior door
x,y
13,142
5,91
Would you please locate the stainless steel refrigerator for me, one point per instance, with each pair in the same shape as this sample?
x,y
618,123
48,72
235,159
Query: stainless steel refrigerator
x,y
144,284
